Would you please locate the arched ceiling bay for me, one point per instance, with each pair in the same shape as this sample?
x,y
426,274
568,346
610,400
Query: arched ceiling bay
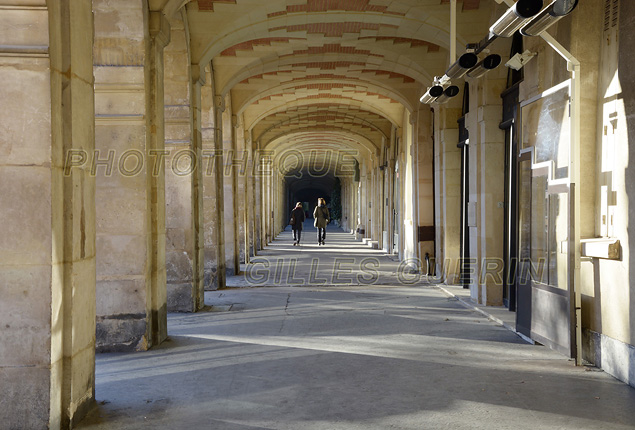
x,y
326,72
316,147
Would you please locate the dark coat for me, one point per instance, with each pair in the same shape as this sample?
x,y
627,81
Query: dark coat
x,y
322,216
297,215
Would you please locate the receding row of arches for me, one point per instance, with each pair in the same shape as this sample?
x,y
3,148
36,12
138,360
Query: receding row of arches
x,y
154,147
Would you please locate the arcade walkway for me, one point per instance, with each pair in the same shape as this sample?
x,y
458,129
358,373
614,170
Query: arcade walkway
x,y
347,356
342,261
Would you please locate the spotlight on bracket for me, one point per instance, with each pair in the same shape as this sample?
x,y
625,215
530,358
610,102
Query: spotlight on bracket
x,y
431,94
490,62
461,66
552,14
515,17
449,92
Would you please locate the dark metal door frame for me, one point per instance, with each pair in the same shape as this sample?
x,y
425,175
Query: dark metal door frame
x,y
463,145
545,310
510,235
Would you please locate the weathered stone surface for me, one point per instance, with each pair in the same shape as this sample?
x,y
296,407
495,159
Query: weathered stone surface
x,y
180,297
25,315
121,296
121,332
25,400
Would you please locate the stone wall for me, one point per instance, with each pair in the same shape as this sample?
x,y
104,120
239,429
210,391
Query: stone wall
x,y
47,246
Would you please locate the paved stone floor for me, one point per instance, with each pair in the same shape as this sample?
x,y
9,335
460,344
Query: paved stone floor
x,y
356,355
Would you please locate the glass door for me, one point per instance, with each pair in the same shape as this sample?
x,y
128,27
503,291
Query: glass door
x,y
544,288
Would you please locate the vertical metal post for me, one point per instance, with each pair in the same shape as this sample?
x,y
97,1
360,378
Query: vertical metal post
x,y
452,31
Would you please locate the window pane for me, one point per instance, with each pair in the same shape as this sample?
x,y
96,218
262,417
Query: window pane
x,y
546,128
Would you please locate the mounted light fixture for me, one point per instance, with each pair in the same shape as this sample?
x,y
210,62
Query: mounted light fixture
x,y
515,18
431,94
552,14
519,60
461,66
490,62
449,92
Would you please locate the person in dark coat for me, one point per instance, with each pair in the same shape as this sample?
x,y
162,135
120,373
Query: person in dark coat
x,y
297,218
322,218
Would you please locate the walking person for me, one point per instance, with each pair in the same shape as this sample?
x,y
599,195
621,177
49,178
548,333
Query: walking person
x,y
297,218
322,217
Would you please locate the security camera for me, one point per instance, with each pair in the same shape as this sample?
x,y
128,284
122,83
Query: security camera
x,y
518,61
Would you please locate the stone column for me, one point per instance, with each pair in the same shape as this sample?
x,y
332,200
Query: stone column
x,y
409,190
183,174
487,173
47,246
130,194
379,202
265,181
232,265
425,178
212,107
239,161
159,38
264,194
376,203
198,184
369,219
363,200
257,172
250,201
447,192
389,172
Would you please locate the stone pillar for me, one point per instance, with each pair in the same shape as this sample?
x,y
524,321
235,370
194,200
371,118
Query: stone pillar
x,y
369,219
363,198
198,186
239,162
211,107
425,179
266,182
47,248
375,217
232,264
264,196
379,202
130,193
447,192
388,201
159,38
258,173
409,190
352,207
346,203
183,176
487,195
250,201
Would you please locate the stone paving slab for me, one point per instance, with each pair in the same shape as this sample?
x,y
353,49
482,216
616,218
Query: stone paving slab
x,y
350,357
327,355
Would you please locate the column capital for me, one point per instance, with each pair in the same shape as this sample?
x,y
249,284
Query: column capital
x,y
159,28
220,103
198,74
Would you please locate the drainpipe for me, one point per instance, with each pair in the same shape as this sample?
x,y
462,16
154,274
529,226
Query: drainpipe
x,y
452,31
573,66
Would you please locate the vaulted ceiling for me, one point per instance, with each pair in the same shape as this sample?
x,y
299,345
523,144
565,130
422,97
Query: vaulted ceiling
x,y
335,73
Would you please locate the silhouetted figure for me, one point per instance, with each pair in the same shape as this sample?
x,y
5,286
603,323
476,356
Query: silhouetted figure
x,y
297,218
322,217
